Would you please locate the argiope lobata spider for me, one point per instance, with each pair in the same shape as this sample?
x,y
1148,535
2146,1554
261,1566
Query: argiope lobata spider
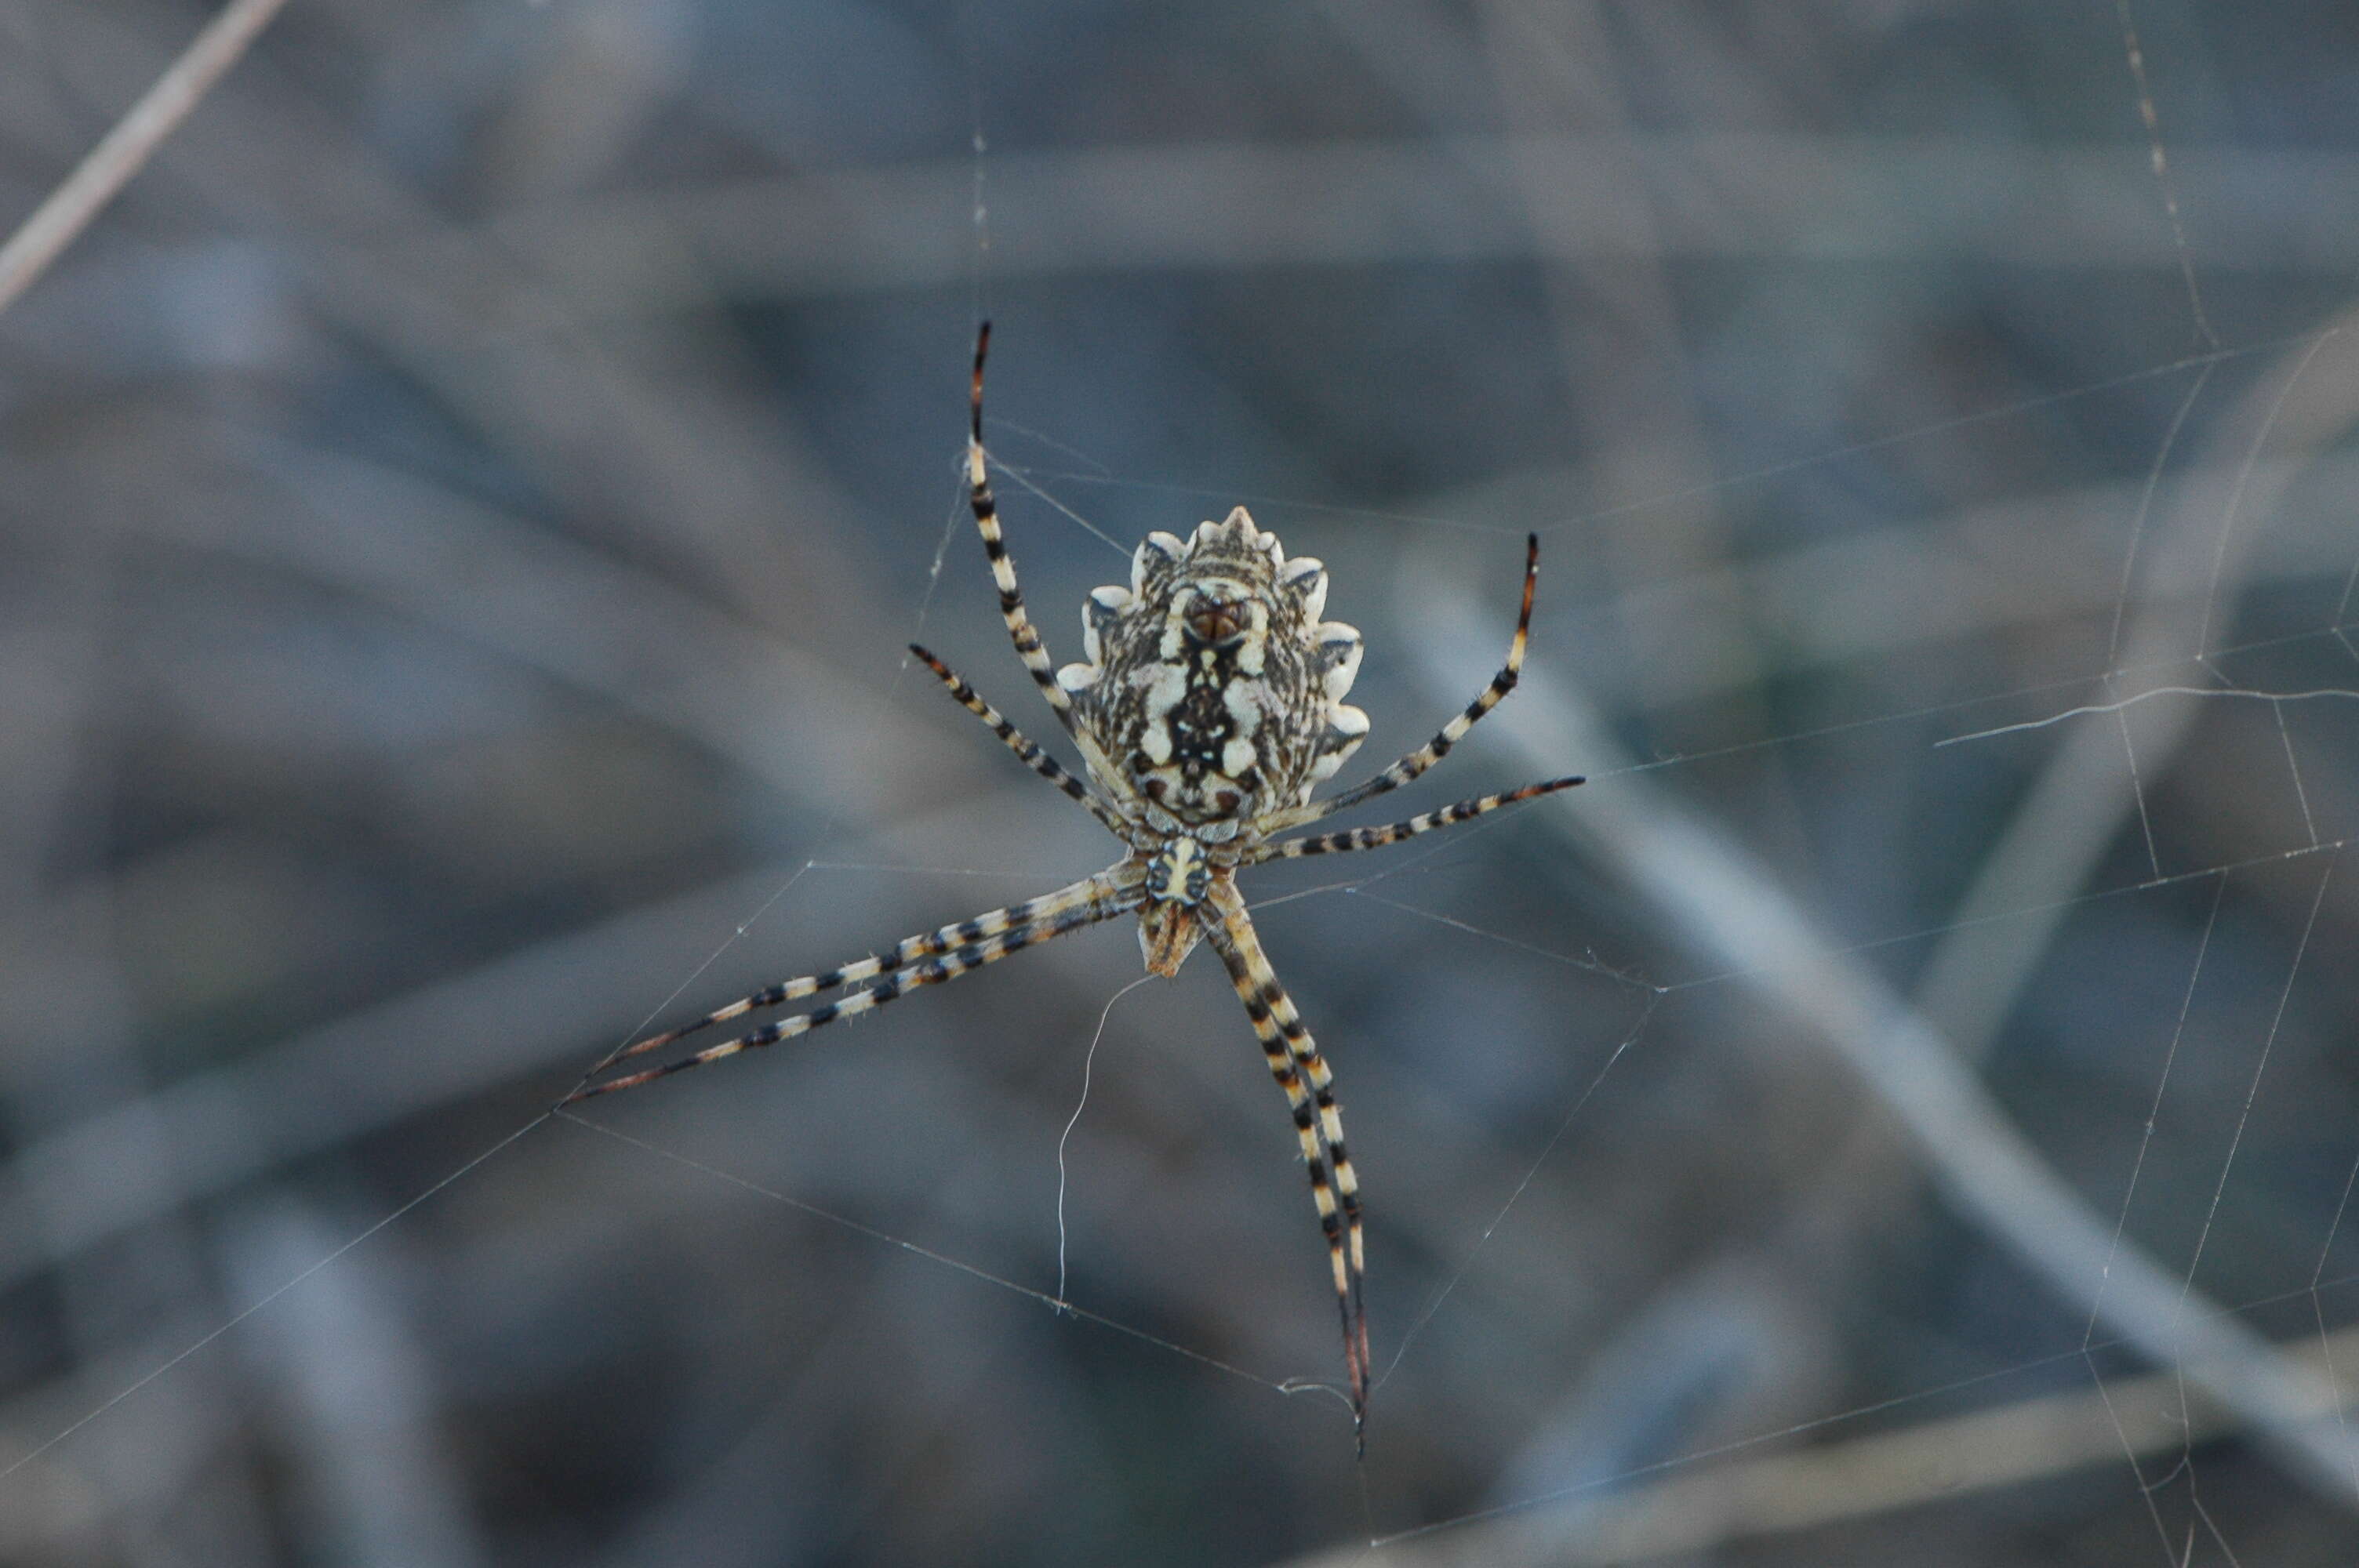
x,y
1211,704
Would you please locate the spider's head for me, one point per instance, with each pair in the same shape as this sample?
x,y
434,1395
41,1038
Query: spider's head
x,y
1178,880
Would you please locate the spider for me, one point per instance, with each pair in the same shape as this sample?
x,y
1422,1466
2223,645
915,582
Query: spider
x,y
1211,706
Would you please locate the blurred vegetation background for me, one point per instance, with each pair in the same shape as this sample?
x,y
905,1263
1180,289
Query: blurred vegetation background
x,y
464,507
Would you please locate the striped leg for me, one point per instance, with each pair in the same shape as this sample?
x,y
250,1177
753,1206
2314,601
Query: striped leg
x,y
1020,630
1302,1072
1026,752
1048,907
1433,750
947,966
1393,833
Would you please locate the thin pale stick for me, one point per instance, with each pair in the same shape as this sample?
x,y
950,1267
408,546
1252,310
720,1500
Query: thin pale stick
x,y
1394,832
1029,753
1433,750
122,152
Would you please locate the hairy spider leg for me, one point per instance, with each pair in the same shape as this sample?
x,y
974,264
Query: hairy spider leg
x,y
1029,753
1103,896
932,971
1433,750
1394,832
1309,1086
1020,630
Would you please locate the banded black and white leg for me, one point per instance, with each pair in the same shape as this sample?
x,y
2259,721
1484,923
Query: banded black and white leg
x,y
1020,630
928,959
1029,753
1309,1088
1394,832
1433,750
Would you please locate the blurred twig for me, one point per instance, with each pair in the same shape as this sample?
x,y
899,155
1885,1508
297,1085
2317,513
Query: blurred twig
x,y
1932,1461
2270,439
1717,898
1771,193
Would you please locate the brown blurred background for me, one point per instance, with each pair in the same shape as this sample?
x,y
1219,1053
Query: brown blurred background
x,y
464,507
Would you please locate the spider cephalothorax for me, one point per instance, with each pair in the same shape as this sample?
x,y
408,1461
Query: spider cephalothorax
x,y
1176,880
1209,706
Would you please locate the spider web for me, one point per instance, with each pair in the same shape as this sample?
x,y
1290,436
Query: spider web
x,y
1904,1097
